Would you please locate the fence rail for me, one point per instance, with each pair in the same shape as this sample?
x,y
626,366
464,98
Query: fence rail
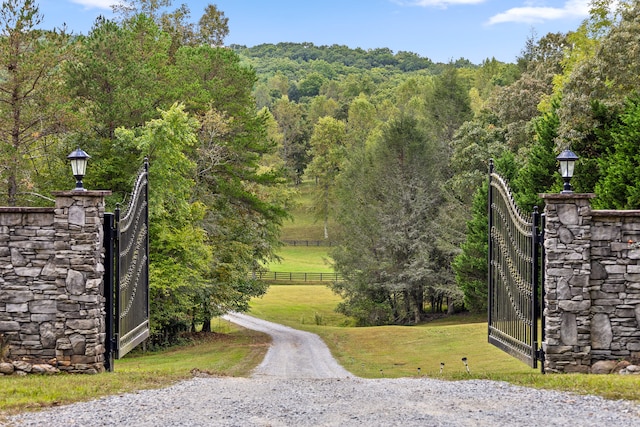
x,y
309,243
298,277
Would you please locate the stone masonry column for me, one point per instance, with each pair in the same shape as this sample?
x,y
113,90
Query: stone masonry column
x,y
567,242
80,323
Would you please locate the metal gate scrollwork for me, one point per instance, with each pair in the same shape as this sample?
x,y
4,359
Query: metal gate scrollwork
x,y
127,238
515,258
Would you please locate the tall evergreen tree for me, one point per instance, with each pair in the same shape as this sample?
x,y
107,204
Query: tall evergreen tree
x,y
619,186
390,195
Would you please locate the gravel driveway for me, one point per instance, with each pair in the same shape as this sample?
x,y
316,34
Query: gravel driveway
x,y
300,384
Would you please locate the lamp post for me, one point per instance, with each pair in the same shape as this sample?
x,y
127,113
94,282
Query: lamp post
x,y
567,161
79,160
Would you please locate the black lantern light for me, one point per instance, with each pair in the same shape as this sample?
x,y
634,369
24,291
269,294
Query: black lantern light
x,y
567,161
79,160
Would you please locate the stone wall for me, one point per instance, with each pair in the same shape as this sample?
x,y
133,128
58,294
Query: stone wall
x,y
51,276
592,284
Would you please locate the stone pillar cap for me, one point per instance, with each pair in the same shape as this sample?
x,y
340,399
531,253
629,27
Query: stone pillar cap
x,y
566,196
88,193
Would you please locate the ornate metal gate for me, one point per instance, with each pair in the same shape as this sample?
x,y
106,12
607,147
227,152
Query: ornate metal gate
x,y
127,248
515,255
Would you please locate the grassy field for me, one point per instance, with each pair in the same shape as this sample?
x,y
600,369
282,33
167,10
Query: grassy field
x,y
397,351
303,259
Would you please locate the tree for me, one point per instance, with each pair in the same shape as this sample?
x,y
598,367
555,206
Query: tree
x,y
180,258
327,153
119,79
361,121
32,106
539,173
607,77
470,265
389,197
295,135
618,187
211,30
213,26
448,105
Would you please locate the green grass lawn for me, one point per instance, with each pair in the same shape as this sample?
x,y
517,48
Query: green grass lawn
x,y
303,259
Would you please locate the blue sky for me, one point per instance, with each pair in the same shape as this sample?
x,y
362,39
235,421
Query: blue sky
x,y
441,30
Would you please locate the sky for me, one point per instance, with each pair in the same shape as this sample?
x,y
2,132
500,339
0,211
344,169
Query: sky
x,y
441,30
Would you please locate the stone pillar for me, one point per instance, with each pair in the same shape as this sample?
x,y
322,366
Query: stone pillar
x,y
567,343
80,343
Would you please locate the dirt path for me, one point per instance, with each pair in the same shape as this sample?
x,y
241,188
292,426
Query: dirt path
x,y
293,353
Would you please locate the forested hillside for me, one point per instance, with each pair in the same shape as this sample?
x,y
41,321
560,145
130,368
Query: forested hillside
x,y
397,147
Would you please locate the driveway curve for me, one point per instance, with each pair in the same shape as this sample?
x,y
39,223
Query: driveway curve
x,y
293,353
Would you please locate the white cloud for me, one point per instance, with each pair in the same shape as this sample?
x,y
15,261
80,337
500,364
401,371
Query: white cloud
x,y
533,14
99,4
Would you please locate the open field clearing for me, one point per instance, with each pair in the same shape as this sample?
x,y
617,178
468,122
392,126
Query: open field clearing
x,y
302,259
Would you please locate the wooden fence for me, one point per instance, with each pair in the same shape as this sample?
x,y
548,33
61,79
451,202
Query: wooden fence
x,y
297,277
309,243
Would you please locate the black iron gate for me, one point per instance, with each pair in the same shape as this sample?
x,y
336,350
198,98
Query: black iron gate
x,y
515,259
127,273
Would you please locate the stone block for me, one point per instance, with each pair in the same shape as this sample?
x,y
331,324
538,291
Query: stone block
x,y
44,369
6,368
558,349
569,329
22,366
9,326
17,308
43,317
568,214
43,307
625,313
613,287
574,306
607,302
81,324
603,367
601,333
66,306
28,271
633,346
75,282
47,335
16,297
576,369
78,343
603,295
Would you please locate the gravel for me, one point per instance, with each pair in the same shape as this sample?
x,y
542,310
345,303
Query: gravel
x,y
300,384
